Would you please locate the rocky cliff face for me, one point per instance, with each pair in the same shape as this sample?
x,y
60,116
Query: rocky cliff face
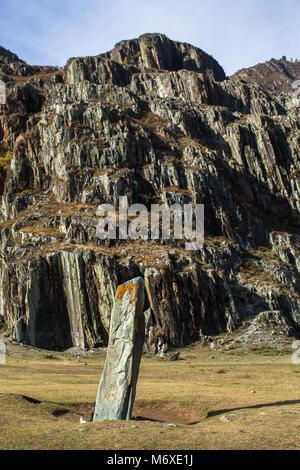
x,y
275,76
159,122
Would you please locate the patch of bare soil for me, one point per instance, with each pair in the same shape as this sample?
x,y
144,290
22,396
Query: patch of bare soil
x,y
163,412
167,413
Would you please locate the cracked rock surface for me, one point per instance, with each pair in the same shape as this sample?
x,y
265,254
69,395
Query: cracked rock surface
x,y
158,121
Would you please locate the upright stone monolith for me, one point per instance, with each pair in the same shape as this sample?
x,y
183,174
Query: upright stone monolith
x,y
2,351
117,386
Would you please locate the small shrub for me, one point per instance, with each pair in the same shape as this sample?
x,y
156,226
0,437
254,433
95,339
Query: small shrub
x,y
5,157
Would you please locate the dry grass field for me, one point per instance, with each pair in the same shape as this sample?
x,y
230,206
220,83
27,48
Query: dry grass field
x,y
179,405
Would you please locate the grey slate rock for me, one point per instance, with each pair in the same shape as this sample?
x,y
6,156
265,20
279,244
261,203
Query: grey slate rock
x,y
117,386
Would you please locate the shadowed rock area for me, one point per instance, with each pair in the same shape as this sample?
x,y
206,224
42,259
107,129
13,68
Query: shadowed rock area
x,y
117,387
158,121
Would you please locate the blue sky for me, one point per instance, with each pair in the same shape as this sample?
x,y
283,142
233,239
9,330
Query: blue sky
x,y
238,33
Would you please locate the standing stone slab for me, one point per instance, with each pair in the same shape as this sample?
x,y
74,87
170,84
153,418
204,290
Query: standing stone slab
x,y
117,386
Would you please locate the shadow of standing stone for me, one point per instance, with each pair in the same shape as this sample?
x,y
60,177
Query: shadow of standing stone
x,y
117,386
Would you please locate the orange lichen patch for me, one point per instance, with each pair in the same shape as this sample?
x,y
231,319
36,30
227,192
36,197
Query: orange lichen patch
x,y
121,291
148,258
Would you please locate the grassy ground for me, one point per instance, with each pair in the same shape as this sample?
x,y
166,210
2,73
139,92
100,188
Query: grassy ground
x,y
43,396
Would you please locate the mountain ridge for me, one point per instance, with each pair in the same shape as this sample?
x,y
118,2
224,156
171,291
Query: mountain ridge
x,y
159,127
274,75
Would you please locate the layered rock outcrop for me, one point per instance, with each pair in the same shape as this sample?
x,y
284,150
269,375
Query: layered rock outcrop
x,y
157,121
274,75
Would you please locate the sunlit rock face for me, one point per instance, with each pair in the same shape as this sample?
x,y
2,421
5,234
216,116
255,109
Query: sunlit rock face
x,y
159,122
117,388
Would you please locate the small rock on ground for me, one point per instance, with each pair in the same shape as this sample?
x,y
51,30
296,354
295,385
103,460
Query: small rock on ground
x,y
224,419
